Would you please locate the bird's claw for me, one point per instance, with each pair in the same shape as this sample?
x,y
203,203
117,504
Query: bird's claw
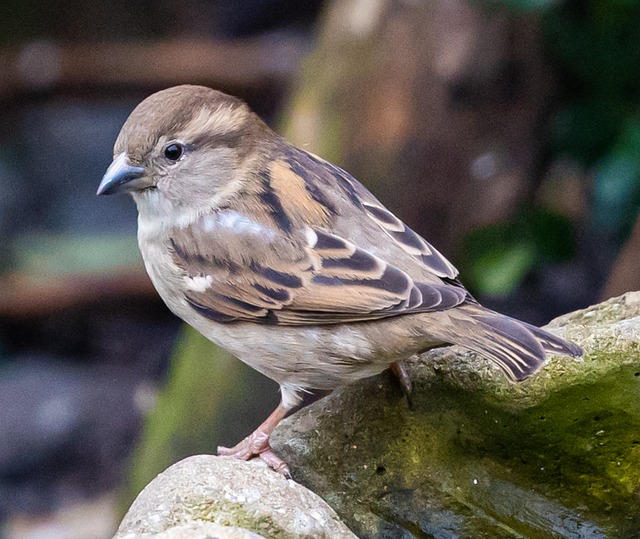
x,y
257,447
400,371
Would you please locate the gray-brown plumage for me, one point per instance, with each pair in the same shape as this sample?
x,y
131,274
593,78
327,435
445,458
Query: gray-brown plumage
x,y
289,262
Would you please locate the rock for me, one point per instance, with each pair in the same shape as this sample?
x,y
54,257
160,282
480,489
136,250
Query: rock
x,y
245,497
476,456
199,530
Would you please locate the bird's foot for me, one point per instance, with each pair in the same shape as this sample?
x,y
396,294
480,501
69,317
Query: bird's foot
x,y
400,372
256,445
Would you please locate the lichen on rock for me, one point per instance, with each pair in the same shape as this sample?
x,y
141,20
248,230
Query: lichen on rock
x,y
243,499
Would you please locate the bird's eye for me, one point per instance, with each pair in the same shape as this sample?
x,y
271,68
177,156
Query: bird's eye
x,y
174,151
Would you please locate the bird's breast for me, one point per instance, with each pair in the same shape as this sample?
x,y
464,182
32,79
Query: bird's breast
x,y
166,276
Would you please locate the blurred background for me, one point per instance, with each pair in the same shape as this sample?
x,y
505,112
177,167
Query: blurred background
x,y
507,132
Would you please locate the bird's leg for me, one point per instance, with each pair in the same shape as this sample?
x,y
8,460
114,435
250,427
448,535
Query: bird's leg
x,y
400,372
257,444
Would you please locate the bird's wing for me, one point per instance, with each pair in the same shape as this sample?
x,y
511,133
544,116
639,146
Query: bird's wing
x,y
253,272
323,177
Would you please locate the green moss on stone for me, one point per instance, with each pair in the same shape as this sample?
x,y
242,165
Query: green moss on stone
x,y
228,513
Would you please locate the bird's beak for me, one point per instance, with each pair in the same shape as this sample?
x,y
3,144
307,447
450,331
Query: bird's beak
x,y
122,177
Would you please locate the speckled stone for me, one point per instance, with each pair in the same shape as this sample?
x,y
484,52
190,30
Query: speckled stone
x,y
197,530
245,496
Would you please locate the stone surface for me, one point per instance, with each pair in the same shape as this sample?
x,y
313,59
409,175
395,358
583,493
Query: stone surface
x,y
198,530
476,456
222,491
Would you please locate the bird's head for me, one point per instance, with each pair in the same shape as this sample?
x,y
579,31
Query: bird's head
x,y
184,146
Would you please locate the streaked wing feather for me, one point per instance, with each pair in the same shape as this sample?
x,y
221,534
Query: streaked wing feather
x,y
337,282
410,242
306,164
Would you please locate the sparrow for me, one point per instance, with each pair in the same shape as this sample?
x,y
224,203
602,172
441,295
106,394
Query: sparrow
x,y
290,263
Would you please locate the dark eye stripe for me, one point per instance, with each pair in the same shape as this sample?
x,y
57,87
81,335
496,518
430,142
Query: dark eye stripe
x,y
230,139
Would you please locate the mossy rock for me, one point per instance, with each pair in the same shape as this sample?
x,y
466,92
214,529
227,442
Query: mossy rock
x,y
242,499
476,456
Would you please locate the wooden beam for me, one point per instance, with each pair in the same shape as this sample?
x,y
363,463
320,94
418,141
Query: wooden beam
x,y
45,65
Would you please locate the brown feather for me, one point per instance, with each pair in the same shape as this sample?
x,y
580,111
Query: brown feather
x,y
296,200
328,280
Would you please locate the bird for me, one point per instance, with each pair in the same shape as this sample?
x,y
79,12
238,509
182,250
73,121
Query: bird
x,y
288,262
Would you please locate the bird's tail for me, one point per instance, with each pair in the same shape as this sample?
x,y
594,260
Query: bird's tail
x,y
518,348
